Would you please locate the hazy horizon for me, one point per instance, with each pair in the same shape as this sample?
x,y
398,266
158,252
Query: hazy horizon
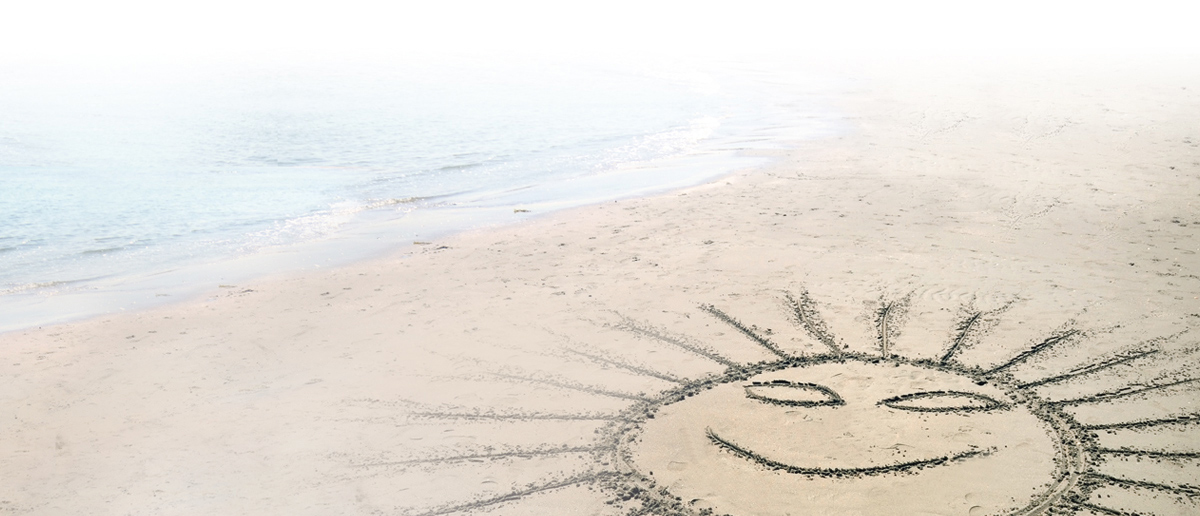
x,y
112,33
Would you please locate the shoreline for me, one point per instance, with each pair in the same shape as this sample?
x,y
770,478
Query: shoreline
x,y
384,236
379,228
487,364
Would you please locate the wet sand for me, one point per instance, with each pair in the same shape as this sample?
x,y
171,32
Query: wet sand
x,y
1019,242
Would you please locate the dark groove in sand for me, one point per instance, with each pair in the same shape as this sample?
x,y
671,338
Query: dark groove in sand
x,y
808,317
1120,393
838,472
515,495
485,456
962,335
629,367
517,417
1025,355
1147,453
1187,491
1091,368
883,328
1144,423
1096,508
628,325
572,387
737,325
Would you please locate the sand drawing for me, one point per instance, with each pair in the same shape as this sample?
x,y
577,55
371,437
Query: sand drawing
x,y
873,428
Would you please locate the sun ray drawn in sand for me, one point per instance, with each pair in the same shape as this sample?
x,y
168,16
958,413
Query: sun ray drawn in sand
x,y
839,431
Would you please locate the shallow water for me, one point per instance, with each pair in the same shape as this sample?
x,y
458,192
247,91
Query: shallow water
x,y
122,188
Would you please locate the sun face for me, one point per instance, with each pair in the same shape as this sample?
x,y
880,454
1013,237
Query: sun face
x,y
852,432
778,441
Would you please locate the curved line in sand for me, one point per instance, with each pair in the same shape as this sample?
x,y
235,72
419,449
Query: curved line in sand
x,y
837,472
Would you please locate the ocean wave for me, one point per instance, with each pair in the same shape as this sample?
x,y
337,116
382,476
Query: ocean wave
x,y
29,287
374,204
464,166
105,250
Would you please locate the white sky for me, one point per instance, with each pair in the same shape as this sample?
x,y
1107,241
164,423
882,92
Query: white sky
x,y
133,30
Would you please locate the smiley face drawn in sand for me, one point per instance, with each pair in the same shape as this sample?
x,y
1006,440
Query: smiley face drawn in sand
x,y
842,432
858,433
797,434
906,419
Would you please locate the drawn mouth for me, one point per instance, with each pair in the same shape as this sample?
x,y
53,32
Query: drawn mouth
x,y
899,467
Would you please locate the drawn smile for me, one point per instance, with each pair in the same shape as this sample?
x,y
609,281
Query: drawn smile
x,y
899,467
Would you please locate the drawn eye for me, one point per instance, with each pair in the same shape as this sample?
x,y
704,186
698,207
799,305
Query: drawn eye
x,y
793,394
943,401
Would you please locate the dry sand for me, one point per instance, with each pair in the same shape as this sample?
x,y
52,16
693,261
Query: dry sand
x,y
1015,246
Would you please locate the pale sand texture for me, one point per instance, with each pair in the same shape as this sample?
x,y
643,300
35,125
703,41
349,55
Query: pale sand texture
x,y
1047,200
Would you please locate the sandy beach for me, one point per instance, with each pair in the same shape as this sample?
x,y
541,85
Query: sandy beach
x,y
984,298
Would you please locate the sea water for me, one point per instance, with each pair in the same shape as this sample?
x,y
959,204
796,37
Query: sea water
x,y
121,187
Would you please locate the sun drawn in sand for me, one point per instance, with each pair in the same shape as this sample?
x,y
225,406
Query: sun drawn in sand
x,y
851,432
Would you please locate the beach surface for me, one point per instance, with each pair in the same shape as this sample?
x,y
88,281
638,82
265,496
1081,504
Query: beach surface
x,y
1019,241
